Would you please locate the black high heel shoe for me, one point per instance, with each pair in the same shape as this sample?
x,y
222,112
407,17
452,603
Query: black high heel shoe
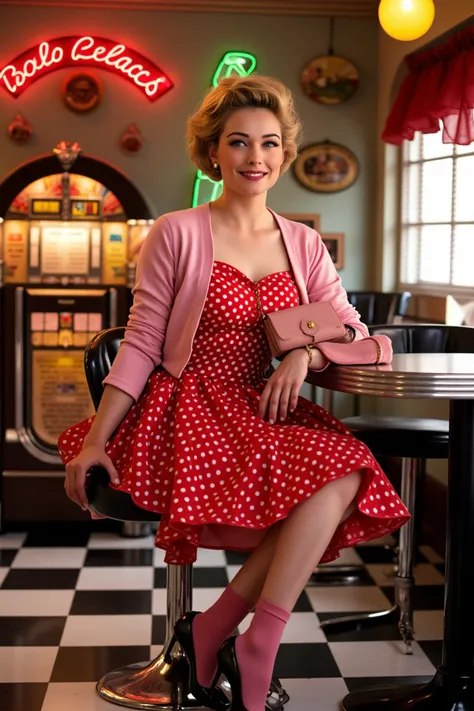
x,y
229,667
212,697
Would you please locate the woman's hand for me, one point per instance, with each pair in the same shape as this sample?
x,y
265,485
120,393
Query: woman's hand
x,y
283,387
76,472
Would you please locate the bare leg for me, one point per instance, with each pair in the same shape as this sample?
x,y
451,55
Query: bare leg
x,y
250,579
304,537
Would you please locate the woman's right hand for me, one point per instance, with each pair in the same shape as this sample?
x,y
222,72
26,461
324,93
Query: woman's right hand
x,y
76,472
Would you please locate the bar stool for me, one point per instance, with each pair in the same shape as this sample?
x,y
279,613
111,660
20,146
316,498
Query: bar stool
x,y
162,683
374,307
413,440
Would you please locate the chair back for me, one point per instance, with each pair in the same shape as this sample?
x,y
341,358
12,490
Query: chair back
x,y
428,338
379,307
98,359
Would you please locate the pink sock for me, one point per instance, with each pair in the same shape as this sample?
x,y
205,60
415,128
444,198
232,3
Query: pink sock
x,y
214,626
256,652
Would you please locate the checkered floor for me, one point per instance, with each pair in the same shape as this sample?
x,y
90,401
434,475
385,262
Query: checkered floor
x,y
75,605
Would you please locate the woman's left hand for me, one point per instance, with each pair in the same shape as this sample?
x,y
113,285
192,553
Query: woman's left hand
x,y
283,386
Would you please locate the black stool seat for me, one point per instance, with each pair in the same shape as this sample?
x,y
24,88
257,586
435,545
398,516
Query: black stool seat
x,y
409,437
112,503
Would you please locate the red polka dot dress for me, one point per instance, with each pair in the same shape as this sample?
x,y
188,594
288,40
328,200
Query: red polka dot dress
x,y
195,450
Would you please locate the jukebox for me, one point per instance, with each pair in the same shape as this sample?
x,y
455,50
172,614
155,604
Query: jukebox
x,y
68,255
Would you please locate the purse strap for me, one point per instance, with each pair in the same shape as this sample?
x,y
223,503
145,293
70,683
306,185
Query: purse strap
x,y
259,305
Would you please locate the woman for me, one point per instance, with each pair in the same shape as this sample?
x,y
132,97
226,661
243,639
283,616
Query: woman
x,y
188,425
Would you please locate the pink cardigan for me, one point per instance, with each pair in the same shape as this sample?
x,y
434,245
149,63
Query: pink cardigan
x,y
173,275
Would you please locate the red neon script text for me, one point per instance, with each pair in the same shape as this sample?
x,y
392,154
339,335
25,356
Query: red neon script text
x,y
103,53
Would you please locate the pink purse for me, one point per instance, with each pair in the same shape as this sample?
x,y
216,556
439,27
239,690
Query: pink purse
x,y
305,325
374,350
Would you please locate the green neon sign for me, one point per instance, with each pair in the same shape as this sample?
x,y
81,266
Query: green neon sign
x,y
242,64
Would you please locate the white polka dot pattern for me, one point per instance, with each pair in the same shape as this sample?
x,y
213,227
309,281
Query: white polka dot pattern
x,y
196,451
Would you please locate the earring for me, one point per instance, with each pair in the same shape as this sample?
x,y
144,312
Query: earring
x,y
216,167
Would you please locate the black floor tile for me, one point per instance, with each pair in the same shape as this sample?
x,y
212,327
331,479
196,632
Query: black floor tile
x,y
31,631
425,597
384,554
118,557
368,631
301,661
210,578
160,578
91,663
303,604
158,629
357,683
41,579
236,558
326,577
433,649
441,567
111,602
62,535
22,697
7,557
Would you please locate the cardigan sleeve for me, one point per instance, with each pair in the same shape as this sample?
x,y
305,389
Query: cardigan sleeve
x,y
141,350
324,284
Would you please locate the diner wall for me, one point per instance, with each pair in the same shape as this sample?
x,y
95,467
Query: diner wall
x,y
188,46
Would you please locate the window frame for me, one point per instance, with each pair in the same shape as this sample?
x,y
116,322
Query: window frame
x,y
464,293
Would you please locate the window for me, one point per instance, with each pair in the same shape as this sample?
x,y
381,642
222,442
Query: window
x,y
437,249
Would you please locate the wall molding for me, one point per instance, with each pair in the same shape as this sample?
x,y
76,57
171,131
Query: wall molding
x,y
321,8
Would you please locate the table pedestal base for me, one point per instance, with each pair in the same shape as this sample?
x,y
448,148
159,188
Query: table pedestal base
x,y
444,693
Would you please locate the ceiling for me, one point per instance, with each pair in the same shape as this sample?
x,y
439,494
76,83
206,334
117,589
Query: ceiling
x,y
327,8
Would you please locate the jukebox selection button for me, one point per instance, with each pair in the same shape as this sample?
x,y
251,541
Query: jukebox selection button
x,y
65,338
37,339
50,339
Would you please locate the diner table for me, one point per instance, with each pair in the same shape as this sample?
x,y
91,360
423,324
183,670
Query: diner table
x,y
447,376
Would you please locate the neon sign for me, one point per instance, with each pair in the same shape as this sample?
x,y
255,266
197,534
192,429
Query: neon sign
x,y
232,63
36,62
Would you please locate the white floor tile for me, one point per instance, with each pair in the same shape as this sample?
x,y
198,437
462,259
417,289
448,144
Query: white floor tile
x,y
428,624
347,599
368,659
314,694
101,631
114,540
76,696
425,574
202,599
302,627
12,540
232,571
50,558
349,556
159,558
431,554
111,578
210,559
35,603
155,650
26,664
3,574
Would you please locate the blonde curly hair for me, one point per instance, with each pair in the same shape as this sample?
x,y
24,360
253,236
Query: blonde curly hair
x,y
206,124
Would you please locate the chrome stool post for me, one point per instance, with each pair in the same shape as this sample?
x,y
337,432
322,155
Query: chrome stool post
x,y
404,582
164,682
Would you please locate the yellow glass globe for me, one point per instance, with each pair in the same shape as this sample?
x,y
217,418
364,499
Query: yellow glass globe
x,y
406,20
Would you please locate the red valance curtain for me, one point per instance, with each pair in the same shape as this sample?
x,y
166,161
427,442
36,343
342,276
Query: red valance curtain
x,y
439,86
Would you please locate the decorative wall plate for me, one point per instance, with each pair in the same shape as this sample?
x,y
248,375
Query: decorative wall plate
x,y
326,167
82,92
330,79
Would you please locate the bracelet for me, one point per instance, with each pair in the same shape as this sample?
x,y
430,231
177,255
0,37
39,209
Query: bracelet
x,y
379,352
310,354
